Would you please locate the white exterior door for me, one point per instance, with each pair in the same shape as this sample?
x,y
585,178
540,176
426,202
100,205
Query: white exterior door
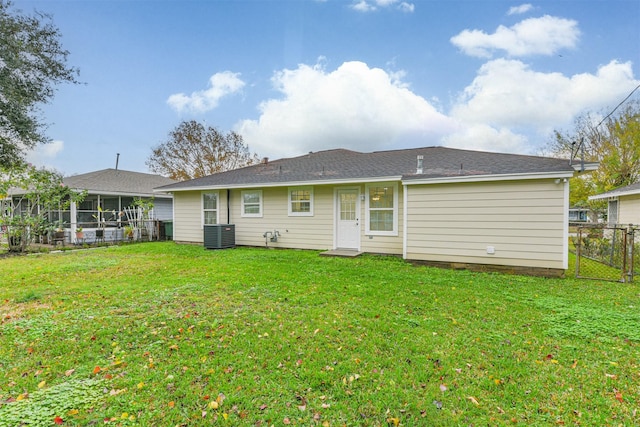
x,y
348,219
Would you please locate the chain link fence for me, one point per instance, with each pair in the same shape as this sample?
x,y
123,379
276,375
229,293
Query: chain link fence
x,y
606,252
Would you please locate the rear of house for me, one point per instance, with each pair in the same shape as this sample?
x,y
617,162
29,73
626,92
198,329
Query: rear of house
x,y
433,205
514,223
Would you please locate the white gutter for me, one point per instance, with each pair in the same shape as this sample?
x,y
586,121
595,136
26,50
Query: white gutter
x,y
614,194
585,167
439,180
287,184
485,178
124,194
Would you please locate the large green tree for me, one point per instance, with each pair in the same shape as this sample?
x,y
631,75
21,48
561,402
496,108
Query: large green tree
x,y
613,141
194,150
32,62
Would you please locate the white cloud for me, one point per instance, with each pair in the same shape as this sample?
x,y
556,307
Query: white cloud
x,y
354,107
368,109
373,5
518,10
497,109
483,137
221,85
407,7
534,36
363,6
44,154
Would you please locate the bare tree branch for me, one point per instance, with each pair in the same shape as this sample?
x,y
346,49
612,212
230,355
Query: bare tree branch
x,y
193,150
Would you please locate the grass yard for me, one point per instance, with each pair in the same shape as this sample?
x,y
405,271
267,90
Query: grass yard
x,y
164,335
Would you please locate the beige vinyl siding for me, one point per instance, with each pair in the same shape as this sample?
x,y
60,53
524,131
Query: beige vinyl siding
x,y
187,211
522,220
629,209
296,232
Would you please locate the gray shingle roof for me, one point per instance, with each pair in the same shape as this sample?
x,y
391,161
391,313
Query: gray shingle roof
x,y
341,164
622,191
117,181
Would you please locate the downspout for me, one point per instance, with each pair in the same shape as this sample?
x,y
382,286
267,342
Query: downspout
x,y
228,206
565,221
404,220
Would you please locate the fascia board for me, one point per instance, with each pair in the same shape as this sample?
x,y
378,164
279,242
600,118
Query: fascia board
x,y
123,193
487,178
614,194
287,184
586,167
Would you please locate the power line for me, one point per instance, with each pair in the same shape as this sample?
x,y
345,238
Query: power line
x,y
581,144
618,106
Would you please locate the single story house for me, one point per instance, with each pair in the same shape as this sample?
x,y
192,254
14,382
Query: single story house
x,y
109,193
578,214
623,204
435,205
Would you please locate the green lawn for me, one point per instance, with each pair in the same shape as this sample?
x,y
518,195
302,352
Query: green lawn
x,y
164,335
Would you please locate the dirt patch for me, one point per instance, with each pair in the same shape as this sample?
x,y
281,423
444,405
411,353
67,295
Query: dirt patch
x,y
11,311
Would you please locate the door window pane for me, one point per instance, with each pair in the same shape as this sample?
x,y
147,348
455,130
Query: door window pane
x,y
348,206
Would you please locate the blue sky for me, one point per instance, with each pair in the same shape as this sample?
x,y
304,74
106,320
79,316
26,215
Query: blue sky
x,y
307,75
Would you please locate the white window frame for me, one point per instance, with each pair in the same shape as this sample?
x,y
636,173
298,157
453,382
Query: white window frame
x,y
250,215
217,209
290,202
368,209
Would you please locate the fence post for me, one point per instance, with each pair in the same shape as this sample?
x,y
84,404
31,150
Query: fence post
x,y
625,256
578,243
629,252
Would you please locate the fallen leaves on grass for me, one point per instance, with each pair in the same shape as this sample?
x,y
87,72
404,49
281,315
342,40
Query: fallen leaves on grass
x,y
618,396
392,421
473,400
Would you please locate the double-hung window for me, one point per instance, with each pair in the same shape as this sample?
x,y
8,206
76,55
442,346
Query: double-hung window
x,y
252,203
382,209
301,201
210,208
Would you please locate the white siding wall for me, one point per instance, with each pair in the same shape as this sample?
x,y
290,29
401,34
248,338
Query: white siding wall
x,y
297,232
629,209
187,211
522,220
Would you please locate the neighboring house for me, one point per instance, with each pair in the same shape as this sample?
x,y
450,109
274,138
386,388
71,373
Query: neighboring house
x,y
623,204
114,190
582,214
577,214
436,205
109,193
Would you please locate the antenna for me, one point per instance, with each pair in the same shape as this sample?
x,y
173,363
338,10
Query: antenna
x,y
580,148
117,160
